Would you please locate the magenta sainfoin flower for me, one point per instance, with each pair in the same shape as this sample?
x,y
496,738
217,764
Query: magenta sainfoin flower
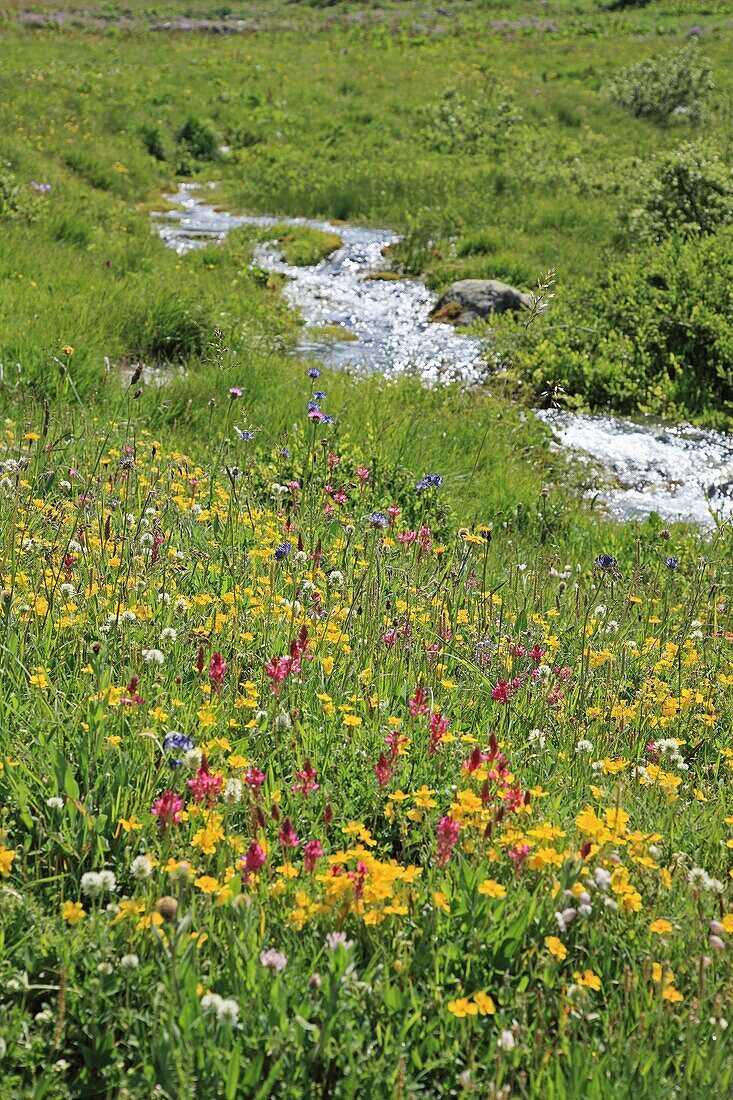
x,y
447,835
503,691
383,769
235,392
254,778
312,852
217,669
419,703
287,835
438,728
168,809
205,786
306,779
253,860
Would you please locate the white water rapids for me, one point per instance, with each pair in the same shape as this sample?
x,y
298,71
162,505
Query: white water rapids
x,y
680,472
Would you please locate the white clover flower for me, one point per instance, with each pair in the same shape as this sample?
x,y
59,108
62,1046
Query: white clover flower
x,y
602,878
104,968
141,867
154,656
67,591
506,1040
130,962
334,940
300,556
146,539
565,918
273,960
165,598
128,616
336,578
55,803
168,634
537,737
181,605
91,885
210,1002
232,793
192,759
698,878
74,547
227,1012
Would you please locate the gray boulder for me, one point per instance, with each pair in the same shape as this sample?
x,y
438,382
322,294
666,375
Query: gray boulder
x,y
468,300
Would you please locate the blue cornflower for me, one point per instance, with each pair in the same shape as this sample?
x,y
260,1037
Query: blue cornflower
x,y
378,519
175,762
672,562
245,436
282,551
326,420
606,561
313,407
430,481
178,741
319,395
285,453
314,372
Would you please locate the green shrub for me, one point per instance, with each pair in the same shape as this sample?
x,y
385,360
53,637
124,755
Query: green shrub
x,y
688,191
457,123
654,333
657,88
15,203
153,141
196,143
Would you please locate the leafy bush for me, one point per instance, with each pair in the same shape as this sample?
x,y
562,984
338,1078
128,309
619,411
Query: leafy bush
x,y
657,88
15,204
654,333
457,123
687,191
153,141
196,142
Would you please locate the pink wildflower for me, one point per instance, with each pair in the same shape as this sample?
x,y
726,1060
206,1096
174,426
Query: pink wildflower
x,y
168,809
447,835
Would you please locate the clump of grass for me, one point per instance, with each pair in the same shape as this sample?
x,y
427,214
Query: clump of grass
x,y
168,331
304,246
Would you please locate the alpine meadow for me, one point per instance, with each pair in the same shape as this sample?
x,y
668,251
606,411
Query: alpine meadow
x,y
366,521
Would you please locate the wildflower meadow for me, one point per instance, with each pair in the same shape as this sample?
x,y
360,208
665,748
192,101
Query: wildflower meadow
x,y
350,747
309,791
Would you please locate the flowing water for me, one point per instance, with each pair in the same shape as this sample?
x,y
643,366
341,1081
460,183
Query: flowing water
x,y
678,471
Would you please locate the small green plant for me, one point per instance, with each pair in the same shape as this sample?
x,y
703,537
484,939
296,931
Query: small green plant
x,y
658,88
